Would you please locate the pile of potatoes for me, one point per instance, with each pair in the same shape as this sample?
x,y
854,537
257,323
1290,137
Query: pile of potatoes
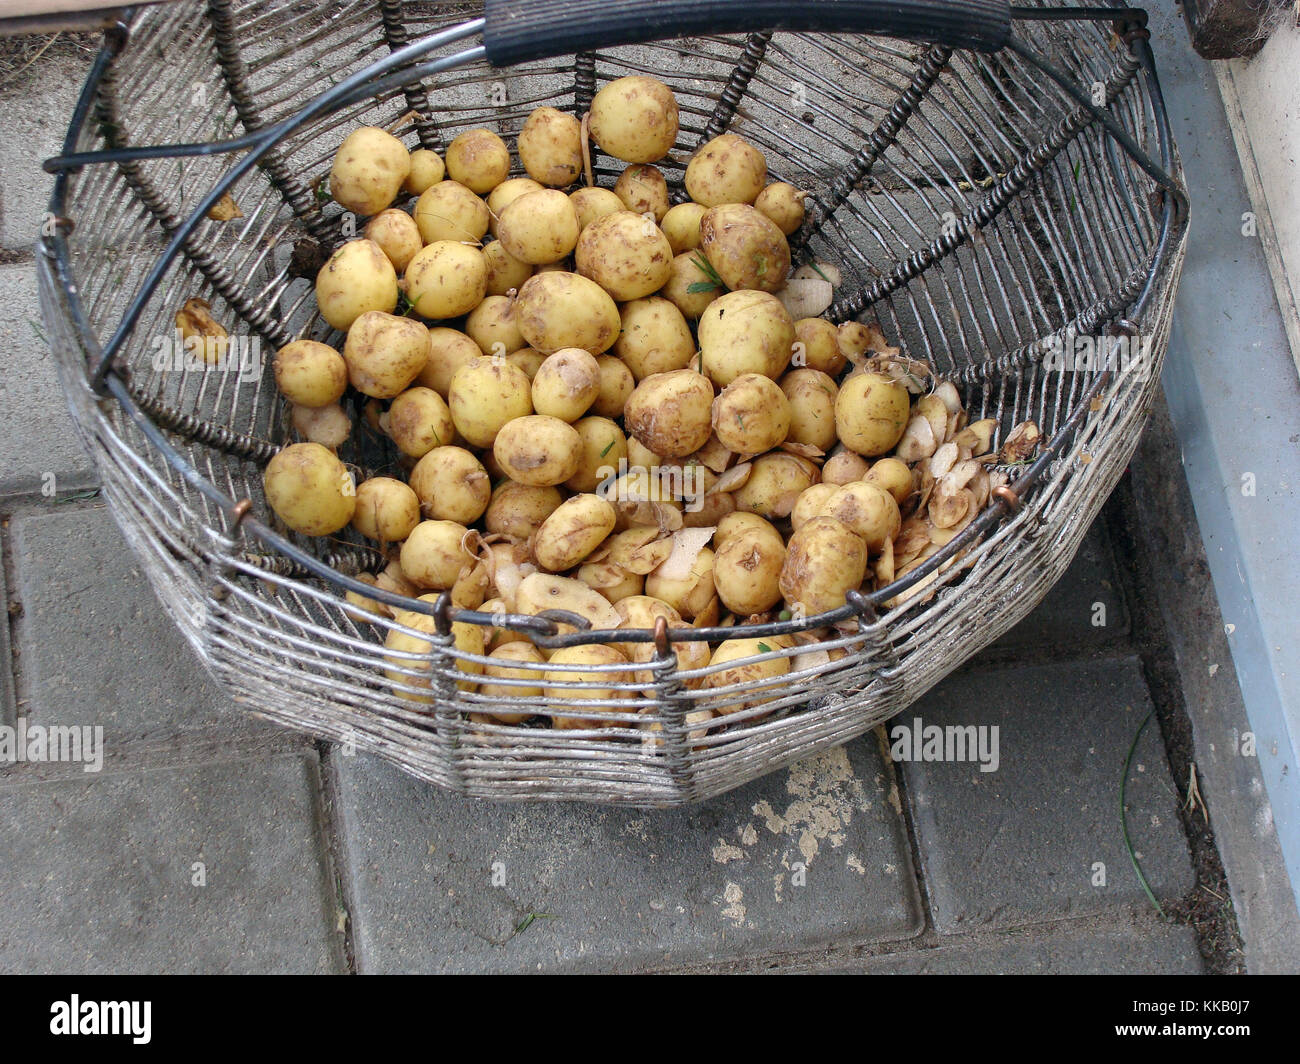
x,y
612,405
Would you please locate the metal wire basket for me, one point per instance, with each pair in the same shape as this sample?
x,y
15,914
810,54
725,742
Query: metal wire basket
x,y
998,185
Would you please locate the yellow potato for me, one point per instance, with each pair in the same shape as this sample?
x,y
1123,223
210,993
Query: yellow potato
x,y
493,327
368,170
566,384
356,279
811,503
385,353
387,510
538,450
518,510
844,467
681,225
550,147
894,476
505,273
575,529
635,119
539,592
446,279
310,373
419,420
329,426
689,595
452,485
396,234
871,413
558,310
485,395
505,194
825,560
528,359
309,489
478,159
616,387
612,582
626,254
751,414
775,484
449,349
539,227
811,394
868,509
655,337
596,684
733,524
411,654
689,288
745,248
670,413
784,204
727,169
525,654
745,332
427,168
594,203
728,674
450,211
434,556
821,349
747,571
642,189
603,447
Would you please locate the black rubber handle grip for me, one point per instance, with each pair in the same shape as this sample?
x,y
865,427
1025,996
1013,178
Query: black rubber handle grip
x,y
518,30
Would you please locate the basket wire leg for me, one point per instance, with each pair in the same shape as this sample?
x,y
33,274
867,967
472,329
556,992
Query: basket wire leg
x,y
417,99
673,705
442,662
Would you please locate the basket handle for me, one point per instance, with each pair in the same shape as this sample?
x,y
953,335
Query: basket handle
x,y
519,30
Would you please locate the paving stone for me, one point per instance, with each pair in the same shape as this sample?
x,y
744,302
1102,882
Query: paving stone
x,y
1067,616
1020,844
97,874
95,646
38,437
621,889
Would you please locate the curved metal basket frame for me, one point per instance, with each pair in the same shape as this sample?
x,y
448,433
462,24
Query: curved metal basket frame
x,y
264,609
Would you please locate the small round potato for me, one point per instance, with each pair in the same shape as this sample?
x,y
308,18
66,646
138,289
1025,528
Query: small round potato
x,y
485,395
505,273
387,510
751,414
518,510
643,190
689,595
825,559
868,509
309,489
671,413
894,476
747,569
357,278
616,387
856,340
655,337
525,654
626,254
310,373
727,169
688,287
635,119
446,279
329,426
539,227
821,349
566,384
681,225
871,413
558,310
576,528
811,503
812,407
844,467
427,169
452,485
603,447
505,194
748,674
397,234
493,327
419,420
528,359
745,332
745,247
450,211
479,160
591,684
775,484
385,353
449,349
550,147
784,204
593,203
434,555
368,170
538,450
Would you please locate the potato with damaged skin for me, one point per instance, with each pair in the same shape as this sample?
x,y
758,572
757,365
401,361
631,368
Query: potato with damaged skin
x,y
751,414
505,273
727,169
427,169
690,594
871,413
396,234
505,194
811,503
452,485
450,211
821,348
616,387
539,228
681,225
576,528
745,248
784,204
485,395
825,559
689,288
478,159
775,484
538,450
811,394
655,337
410,658
739,522
434,554
626,254
493,327
587,684
612,582
309,489
634,119
419,420
449,349
746,571
642,189
844,467
566,384
518,510
539,592
310,373
671,413
385,353
558,310
894,476
513,658
387,510
772,668
868,509
357,278
329,425
603,446
745,332
550,147
368,170
446,279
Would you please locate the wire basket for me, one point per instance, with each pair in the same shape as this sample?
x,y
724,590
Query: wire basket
x,y
998,186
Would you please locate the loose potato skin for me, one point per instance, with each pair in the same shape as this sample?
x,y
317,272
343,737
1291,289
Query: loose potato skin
x,y
309,489
745,332
310,373
550,147
558,310
575,529
626,254
671,413
871,413
356,279
368,170
727,169
825,559
635,119
745,247
385,353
